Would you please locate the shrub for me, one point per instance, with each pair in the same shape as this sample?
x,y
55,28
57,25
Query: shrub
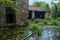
x,y
45,22
58,19
36,29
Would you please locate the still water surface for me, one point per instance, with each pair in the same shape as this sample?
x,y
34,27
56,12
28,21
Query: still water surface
x,y
49,33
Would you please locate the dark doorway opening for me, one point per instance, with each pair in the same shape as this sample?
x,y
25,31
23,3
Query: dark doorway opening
x,y
30,15
10,15
10,18
40,14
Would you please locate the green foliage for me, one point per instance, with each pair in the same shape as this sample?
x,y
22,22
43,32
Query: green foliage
x,y
5,3
39,22
55,22
54,8
40,4
58,18
46,22
26,23
58,5
13,4
13,33
36,29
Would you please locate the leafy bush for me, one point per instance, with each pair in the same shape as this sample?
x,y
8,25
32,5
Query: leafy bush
x,y
45,22
36,29
58,19
55,22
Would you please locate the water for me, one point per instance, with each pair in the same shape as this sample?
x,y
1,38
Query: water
x,y
49,33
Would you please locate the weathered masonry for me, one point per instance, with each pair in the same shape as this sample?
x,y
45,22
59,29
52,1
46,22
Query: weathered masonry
x,y
38,12
9,17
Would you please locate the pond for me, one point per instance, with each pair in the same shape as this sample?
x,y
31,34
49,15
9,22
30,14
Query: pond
x,y
49,33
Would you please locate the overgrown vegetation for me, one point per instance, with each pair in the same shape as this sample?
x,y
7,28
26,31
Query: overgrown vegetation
x,y
55,22
13,4
36,29
16,33
11,34
38,24
53,8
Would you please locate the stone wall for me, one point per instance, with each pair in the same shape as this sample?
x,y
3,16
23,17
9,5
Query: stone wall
x,y
48,15
2,16
21,18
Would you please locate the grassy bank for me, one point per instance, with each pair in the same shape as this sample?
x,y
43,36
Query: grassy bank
x,y
55,22
36,24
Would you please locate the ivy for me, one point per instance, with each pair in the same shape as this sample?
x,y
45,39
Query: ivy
x,y
13,4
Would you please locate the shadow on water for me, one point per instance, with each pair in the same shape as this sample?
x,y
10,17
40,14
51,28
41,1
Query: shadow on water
x,y
49,33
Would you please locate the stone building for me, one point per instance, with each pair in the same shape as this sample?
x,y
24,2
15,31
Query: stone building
x,y
9,17
38,12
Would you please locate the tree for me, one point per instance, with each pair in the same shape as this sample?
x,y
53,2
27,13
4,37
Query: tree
x,y
48,7
58,5
40,4
56,11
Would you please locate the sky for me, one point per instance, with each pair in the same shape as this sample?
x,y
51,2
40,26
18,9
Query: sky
x,y
47,1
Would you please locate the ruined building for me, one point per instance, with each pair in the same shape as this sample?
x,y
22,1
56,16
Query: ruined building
x,y
9,17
